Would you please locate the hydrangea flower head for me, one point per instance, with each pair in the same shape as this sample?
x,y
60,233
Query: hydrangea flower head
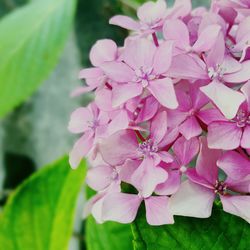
x,y
169,125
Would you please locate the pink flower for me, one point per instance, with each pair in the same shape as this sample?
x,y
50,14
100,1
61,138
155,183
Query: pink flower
x,y
230,134
196,195
142,71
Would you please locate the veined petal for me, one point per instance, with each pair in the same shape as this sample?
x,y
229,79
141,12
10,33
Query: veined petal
x,y
226,99
192,200
240,76
157,211
121,207
190,128
245,140
163,90
125,22
224,135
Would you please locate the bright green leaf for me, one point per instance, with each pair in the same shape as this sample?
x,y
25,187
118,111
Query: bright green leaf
x,y
32,38
108,236
39,214
221,231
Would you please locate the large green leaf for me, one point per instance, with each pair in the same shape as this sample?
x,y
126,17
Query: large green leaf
x,y
32,38
108,236
39,214
221,231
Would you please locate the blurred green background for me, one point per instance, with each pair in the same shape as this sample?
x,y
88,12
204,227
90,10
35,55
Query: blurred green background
x,y
43,45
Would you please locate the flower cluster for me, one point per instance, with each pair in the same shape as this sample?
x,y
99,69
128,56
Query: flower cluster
x,y
170,122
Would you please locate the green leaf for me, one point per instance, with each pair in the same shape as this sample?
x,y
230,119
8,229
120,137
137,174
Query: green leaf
x,y
108,236
39,214
221,231
32,38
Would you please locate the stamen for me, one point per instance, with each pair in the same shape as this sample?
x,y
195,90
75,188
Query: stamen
x,y
146,148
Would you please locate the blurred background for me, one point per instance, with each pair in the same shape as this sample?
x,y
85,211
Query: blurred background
x,y
34,132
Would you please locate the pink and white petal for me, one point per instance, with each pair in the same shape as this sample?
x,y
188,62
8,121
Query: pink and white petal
x,y
240,76
192,200
125,22
163,57
171,185
159,127
217,53
190,128
246,90
98,178
239,186
237,205
104,50
206,165
245,140
169,138
119,122
126,145
124,92
165,156
234,165
157,211
79,120
243,29
118,71
121,207
81,149
147,176
163,90
97,210
207,38
187,67
180,9
227,100
230,65
186,150
90,73
224,135
90,203
208,116
134,53
152,11
103,99
177,31
127,169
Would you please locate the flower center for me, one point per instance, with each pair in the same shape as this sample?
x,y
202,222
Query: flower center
x,y
93,124
220,187
242,118
144,76
146,148
217,72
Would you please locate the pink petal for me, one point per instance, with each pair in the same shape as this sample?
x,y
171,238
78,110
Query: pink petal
x,y
237,205
165,156
147,176
90,73
127,170
125,22
186,150
134,53
126,145
150,11
234,165
207,38
118,71
104,50
81,90
163,90
180,9
121,207
103,99
206,165
157,211
159,127
240,76
190,128
163,57
224,135
226,99
124,92
192,200
171,185
79,120
98,178
230,65
245,140
177,31
119,122
246,90
187,67
209,115
80,149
